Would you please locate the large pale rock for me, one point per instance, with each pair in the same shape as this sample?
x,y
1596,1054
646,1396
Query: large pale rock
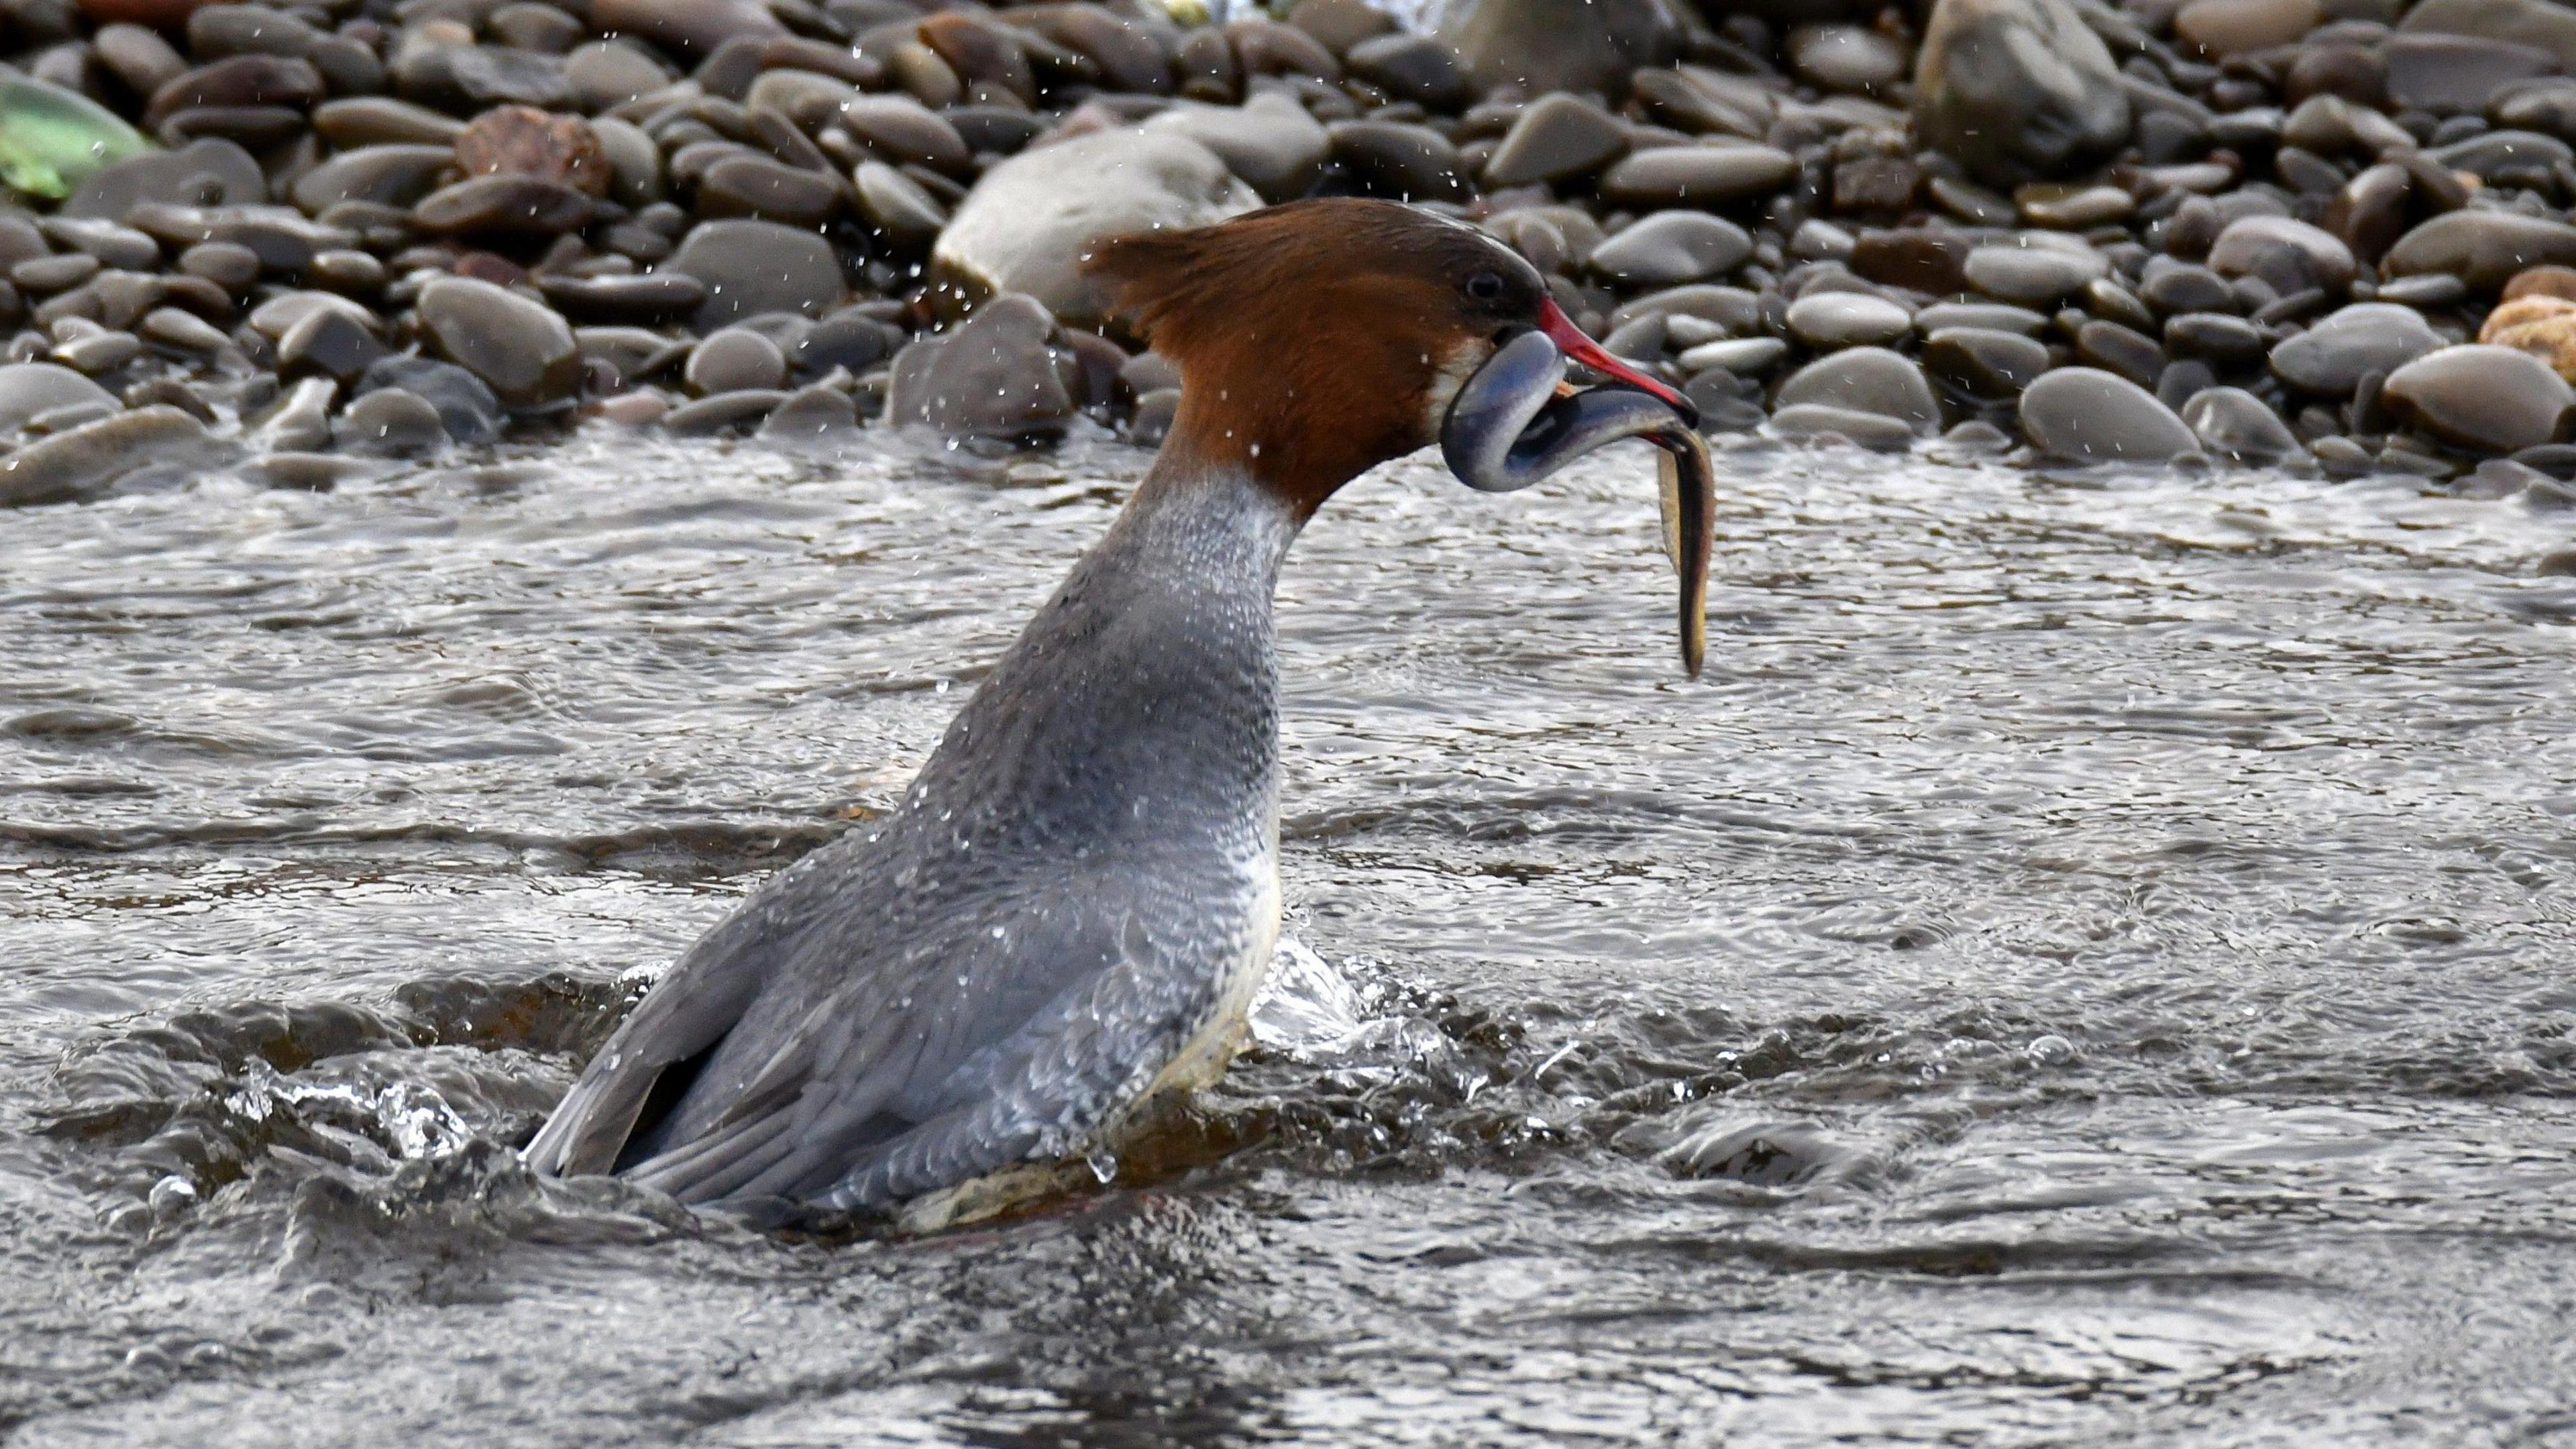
x,y
2492,399
1029,222
2085,413
519,348
2017,90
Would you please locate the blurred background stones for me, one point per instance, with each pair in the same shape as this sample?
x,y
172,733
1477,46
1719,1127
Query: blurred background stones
x,y
2328,235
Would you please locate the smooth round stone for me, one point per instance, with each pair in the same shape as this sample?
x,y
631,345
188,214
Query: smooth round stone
x,y
204,172
47,275
277,316
906,132
28,389
1743,356
1399,160
241,80
2032,276
734,359
759,186
466,408
1983,362
138,56
604,73
2233,423
504,205
2221,28
2491,399
2017,90
1819,421
1672,247
2088,414
172,327
113,245
722,410
750,267
2291,256
2330,359
1866,379
1829,320
89,459
639,408
1917,257
1997,316
2462,72
994,375
1557,136
391,423
1697,176
858,343
359,121
2170,286
1417,68
346,271
810,413
2215,336
2073,208
2484,249
1848,58
2122,350
519,348
330,342
657,297
898,206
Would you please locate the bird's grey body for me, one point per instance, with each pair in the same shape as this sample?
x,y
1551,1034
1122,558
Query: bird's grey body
x,y
1067,915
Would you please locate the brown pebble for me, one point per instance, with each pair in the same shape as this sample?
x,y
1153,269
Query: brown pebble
x,y
524,141
2545,281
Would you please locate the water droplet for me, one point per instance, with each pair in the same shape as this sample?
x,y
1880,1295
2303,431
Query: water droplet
x,y
1103,1164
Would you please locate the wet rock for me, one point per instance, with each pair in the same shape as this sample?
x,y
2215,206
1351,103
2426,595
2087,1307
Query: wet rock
x,y
657,297
1983,362
2541,282
2290,256
845,340
1417,68
1827,321
387,175
2089,415
467,410
906,132
2331,358
810,414
759,186
902,208
2491,399
2214,337
1672,247
2170,287
1744,356
1271,142
1848,58
505,205
138,56
994,375
31,389
2484,249
277,316
2032,276
92,458
1823,422
2535,23
171,327
1028,222
519,348
330,342
2233,423
202,173
1917,257
1556,137
391,423
1697,176
1867,380
724,410
2113,348
383,121
605,73
751,267
524,141
300,421
733,359
43,276
2221,28
2017,90
2061,207
242,80
1398,160
1559,45
696,26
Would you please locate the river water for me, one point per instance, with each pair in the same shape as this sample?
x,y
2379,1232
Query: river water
x,y
2093,961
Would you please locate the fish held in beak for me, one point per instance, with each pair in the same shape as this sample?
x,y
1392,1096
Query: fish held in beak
x,y
1516,421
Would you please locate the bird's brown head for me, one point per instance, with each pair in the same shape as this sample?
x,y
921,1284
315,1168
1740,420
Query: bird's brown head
x,y
1320,338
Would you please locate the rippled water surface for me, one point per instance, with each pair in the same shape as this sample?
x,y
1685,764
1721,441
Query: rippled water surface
x,y
2093,961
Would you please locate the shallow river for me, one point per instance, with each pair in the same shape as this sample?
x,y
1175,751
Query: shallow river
x,y
2094,961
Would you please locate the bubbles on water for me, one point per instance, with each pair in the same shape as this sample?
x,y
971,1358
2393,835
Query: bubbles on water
x,y
2050,1051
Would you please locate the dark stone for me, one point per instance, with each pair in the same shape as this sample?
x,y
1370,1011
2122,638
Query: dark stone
x,y
2446,73
655,297
758,186
520,348
1984,363
2214,336
2017,90
1556,137
2089,415
467,409
504,205
750,267
2115,348
993,375
1399,161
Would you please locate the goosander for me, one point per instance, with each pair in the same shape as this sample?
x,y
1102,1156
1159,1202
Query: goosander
x,y
950,1010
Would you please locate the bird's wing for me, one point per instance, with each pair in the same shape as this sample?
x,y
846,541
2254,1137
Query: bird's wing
x,y
1007,1031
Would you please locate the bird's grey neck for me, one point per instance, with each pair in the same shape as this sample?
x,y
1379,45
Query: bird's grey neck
x,y
1143,699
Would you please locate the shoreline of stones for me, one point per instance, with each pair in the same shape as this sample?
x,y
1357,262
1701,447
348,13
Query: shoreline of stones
x,y
2325,235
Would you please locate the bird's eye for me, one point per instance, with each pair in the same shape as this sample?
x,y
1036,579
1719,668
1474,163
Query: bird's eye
x,y
1485,287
